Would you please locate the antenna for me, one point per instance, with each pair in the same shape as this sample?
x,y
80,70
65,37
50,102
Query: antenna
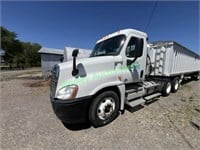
x,y
150,18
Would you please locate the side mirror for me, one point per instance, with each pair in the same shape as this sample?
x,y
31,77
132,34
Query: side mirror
x,y
139,47
75,52
61,59
75,70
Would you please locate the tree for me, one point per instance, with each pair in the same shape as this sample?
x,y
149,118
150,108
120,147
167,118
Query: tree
x,y
17,52
11,45
31,53
7,38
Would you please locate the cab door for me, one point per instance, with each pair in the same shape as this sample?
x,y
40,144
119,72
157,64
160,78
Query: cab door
x,y
135,60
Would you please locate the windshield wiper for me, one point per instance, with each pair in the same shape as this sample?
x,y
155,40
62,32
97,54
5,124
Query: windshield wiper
x,y
100,55
105,54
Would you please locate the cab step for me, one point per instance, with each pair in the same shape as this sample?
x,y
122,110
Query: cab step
x,y
150,97
135,102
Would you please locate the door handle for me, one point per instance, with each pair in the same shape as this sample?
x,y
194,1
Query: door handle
x,y
141,73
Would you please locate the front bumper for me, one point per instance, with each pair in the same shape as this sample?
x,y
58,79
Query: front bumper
x,y
72,111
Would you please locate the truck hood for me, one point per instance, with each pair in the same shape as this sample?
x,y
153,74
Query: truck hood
x,y
87,66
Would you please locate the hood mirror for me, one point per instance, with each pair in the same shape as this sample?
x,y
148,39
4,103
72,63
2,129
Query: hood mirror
x,y
74,55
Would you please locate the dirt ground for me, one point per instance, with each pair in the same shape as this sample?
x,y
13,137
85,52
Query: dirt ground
x,y
34,72
28,122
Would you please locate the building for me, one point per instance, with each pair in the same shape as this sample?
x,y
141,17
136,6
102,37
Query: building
x,y
50,57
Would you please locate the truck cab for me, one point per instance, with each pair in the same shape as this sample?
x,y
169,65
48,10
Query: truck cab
x,y
97,92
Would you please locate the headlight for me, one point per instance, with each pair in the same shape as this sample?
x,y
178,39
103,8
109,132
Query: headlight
x,y
67,92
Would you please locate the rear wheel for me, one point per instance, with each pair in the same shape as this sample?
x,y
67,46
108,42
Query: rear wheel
x,y
196,76
104,109
166,88
175,84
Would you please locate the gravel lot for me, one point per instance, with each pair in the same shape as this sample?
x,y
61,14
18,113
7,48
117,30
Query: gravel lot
x,y
28,122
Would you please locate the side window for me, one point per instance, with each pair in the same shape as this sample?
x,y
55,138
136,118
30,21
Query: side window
x,y
132,46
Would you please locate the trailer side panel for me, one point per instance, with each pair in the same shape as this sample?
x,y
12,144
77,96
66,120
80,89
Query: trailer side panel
x,y
170,58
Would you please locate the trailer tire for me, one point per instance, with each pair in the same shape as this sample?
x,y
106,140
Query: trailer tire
x,y
175,84
104,108
166,88
196,76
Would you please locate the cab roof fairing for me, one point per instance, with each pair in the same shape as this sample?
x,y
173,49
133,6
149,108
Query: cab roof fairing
x,y
124,32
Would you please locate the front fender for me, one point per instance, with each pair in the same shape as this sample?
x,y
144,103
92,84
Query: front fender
x,y
104,85
121,87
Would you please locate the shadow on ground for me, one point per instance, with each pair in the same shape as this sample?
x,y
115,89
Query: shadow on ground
x,y
37,83
185,81
77,127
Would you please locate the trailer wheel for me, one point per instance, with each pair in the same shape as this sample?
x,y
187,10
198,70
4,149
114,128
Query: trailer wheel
x,y
175,84
196,76
166,88
104,109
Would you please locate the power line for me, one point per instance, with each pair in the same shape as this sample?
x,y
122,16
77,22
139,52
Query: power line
x,y
150,18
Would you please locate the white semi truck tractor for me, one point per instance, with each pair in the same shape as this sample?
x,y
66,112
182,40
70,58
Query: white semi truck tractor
x,y
123,69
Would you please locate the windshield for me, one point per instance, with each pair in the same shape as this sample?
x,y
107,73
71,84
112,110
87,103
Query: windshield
x,y
110,46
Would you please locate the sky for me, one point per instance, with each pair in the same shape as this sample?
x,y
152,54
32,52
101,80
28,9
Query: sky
x,y
56,24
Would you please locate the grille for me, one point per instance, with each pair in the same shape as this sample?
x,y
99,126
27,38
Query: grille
x,y
54,80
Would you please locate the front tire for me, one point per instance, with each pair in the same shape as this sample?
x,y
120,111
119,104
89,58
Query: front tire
x,y
104,108
166,88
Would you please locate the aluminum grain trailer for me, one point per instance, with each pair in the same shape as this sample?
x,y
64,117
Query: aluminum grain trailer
x,y
168,58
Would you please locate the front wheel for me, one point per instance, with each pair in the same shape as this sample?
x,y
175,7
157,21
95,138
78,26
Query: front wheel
x,y
104,108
